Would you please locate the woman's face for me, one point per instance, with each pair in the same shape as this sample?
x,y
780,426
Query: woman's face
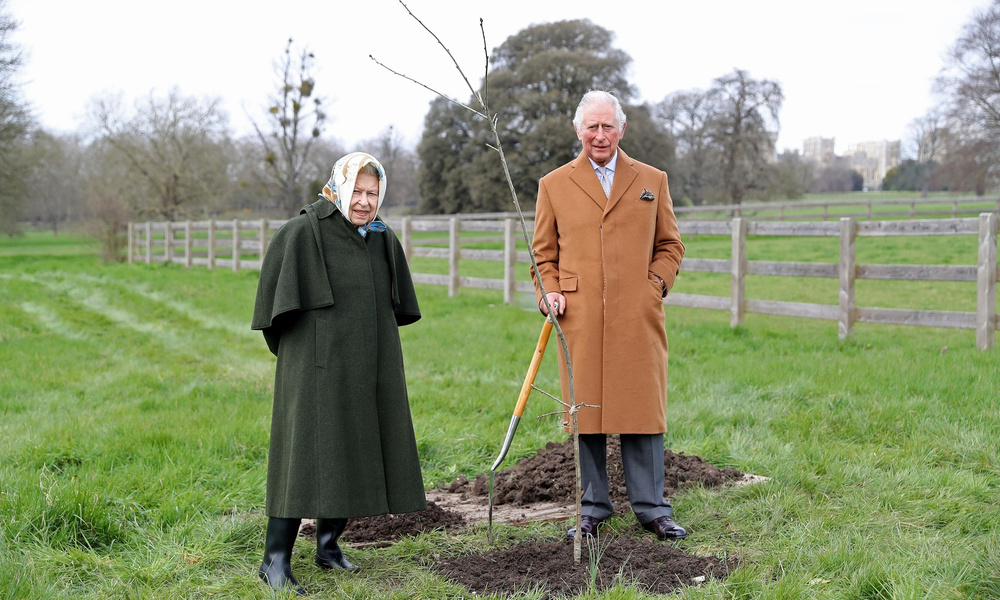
x,y
364,200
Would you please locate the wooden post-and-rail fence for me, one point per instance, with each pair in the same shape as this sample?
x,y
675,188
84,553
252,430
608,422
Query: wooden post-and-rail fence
x,y
241,244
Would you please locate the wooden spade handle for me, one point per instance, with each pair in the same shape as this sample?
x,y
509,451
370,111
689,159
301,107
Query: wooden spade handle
x,y
536,360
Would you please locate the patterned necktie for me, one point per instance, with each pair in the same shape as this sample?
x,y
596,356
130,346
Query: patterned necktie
x,y
602,174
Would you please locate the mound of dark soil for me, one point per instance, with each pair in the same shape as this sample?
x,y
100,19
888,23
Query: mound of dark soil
x,y
392,527
386,529
548,566
550,476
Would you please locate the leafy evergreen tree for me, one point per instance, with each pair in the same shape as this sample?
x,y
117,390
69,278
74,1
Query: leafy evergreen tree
x,y
536,81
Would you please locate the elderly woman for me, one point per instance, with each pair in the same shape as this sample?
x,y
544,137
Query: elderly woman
x,y
334,287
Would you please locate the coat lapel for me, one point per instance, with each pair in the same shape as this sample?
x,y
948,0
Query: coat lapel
x,y
625,174
584,176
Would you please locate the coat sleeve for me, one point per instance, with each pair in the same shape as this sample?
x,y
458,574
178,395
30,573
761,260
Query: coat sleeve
x,y
292,278
544,244
404,297
668,250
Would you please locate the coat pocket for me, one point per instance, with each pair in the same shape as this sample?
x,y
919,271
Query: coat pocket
x,y
322,352
567,284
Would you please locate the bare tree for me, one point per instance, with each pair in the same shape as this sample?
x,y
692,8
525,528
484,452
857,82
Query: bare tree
x,y
54,196
108,183
178,147
744,125
400,165
291,127
970,83
687,115
725,140
15,123
928,136
250,193
971,75
970,159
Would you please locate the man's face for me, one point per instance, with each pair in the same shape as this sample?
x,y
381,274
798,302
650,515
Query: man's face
x,y
599,132
364,200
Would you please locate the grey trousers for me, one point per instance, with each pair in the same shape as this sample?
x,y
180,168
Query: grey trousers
x,y
642,461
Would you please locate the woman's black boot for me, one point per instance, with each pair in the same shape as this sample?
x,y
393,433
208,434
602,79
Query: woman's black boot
x,y
328,552
276,570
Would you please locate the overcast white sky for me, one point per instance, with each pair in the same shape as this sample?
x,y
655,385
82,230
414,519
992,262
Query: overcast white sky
x,y
855,70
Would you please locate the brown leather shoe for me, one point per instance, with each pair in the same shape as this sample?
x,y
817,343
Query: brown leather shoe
x,y
588,526
665,529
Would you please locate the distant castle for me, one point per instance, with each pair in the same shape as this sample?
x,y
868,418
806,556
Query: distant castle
x,y
871,159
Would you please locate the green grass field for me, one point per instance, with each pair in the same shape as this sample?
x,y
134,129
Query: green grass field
x,y
135,405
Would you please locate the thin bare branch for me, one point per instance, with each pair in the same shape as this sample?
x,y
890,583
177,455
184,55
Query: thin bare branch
x,y
541,391
428,88
571,410
558,412
440,43
486,68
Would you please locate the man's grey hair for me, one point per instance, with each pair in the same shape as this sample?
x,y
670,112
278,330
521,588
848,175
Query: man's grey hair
x,y
595,97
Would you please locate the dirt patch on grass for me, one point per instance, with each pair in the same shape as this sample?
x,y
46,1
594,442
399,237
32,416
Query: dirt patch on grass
x,y
384,530
541,487
549,567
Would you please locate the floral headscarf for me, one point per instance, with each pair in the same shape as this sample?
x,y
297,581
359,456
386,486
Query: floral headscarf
x,y
340,188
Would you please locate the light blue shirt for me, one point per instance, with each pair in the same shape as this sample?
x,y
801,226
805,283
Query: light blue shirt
x,y
609,169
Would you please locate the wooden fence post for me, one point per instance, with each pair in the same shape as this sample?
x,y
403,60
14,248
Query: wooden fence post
x,y
168,241
848,272
738,270
188,245
407,233
236,245
131,242
509,259
149,242
453,252
986,275
211,244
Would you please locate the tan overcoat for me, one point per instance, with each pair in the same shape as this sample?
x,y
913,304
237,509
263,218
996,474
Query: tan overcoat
x,y
601,253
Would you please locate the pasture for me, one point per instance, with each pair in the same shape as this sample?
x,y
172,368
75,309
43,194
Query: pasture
x,y
135,406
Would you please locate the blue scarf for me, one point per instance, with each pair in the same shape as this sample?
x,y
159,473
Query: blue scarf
x,y
373,226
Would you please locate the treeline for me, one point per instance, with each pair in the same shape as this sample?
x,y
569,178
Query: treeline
x,y
717,144
175,157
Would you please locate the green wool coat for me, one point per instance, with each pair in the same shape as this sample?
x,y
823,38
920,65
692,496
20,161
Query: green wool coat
x,y
329,304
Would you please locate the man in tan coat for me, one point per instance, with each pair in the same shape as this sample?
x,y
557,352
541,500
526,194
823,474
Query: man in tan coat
x,y
608,251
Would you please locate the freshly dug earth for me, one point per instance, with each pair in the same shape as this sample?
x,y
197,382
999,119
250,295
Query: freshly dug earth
x,y
550,476
655,567
546,477
389,528
383,530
